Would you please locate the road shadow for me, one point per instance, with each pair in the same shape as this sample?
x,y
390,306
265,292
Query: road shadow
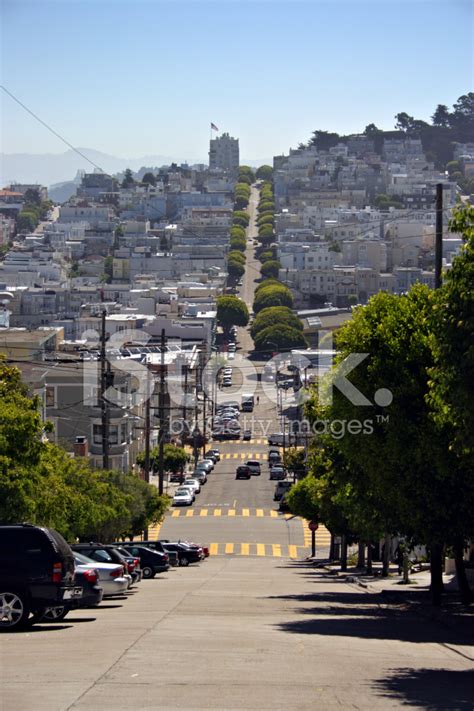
x,y
432,689
368,616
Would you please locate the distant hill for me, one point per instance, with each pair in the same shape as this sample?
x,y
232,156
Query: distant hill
x,y
52,168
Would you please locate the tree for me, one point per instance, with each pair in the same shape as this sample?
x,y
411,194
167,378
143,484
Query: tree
x,y
240,201
303,499
323,140
244,179
236,257
294,462
231,311
174,458
275,295
248,171
128,179
441,116
404,121
266,234
149,179
371,130
451,388
235,269
453,166
273,316
462,117
267,255
237,232
241,215
270,268
33,197
281,337
264,172
239,244
26,221
266,218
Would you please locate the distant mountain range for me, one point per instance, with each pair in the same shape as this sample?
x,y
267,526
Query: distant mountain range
x,y
51,168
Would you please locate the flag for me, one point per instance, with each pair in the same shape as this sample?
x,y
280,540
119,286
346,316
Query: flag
x,y
214,127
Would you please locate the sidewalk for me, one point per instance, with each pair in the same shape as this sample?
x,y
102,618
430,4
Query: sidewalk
x,y
415,596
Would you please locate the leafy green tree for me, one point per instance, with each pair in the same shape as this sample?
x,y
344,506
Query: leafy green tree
x,y
237,232
128,179
441,116
241,215
264,172
266,206
33,197
174,458
26,221
235,269
149,179
274,316
323,140
281,337
266,234
239,244
231,311
276,295
451,393
294,462
266,218
236,256
404,121
241,201
247,171
270,268
267,255
244,179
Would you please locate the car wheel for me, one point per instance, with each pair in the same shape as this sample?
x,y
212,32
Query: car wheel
x,y
54,614
147,571
184,562
14,611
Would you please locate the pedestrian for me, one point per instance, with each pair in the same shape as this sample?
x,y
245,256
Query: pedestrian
x,y
258,399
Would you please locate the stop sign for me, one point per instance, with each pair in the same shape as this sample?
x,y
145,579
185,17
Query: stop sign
x,y
313,525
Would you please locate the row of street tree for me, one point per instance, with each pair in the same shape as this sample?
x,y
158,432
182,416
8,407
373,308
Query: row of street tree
x,y
42,484
400,461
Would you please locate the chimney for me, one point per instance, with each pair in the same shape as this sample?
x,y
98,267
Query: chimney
x,y
81,447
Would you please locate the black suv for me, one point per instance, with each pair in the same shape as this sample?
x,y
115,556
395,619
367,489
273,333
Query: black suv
x,y
36,572
186,553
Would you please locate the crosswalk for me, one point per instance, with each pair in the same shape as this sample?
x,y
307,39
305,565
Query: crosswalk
x,y
244,455
259,550
221,511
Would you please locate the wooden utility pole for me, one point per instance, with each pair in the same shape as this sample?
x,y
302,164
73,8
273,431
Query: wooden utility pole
x,y
161,414
439,235
104,382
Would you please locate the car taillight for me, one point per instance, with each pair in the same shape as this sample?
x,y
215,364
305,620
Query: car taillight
x,y
167,557
117,573
130,567
91,576
137,562
57,573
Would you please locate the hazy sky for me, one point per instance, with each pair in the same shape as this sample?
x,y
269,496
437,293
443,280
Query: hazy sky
x,y
137,77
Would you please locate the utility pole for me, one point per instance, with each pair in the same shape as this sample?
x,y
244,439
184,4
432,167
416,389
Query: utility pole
x,y
146,465
185,412
204,425
104,381
439,235
195,423
161,414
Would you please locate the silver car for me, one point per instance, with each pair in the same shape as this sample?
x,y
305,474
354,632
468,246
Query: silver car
x,y
113,579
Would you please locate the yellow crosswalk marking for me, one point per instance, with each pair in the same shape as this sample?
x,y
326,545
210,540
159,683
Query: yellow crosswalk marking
x,y
231,512
203,512
217,512
213,549
256,549
276,550
175,514
236,455
189,513
245,512
260,549
244,549
229,547
243,455
292,551
259,513
273,513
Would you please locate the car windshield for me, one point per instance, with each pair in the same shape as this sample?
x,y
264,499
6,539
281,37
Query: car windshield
x,y
182,492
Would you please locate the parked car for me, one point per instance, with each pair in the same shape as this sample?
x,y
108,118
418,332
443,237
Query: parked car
x,y
281,488
183,497
274,456
283,505
247,435
254,466
216,453
206,465
104,554
277,472
158,546
200,475
36,572
186,554
92,593
226,382
151,561
112,578
243,472
194,483
277,438
133,563
176,478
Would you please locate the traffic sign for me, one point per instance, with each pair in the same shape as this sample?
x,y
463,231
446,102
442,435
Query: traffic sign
x,y
313,525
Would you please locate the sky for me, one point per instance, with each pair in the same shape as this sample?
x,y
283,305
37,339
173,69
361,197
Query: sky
x,y
141,77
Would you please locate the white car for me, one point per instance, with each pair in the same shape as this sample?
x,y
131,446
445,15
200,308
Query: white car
x,y
183,497
206,465
112,579
227,382
227,372
231,355
208,461
194,484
